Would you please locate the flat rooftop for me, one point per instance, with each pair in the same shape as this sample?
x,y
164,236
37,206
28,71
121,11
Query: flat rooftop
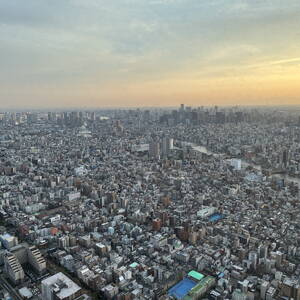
x,y
64,285
182,288
195,275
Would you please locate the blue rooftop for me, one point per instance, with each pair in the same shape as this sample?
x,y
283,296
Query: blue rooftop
x,y
216,217
182,288
6,236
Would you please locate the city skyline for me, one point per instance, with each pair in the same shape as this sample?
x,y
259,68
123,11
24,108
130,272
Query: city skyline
x,y
149,53
164,204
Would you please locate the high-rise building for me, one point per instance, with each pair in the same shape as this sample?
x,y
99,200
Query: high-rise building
x,y
32,118
220,117
36,260
239,295
154,150
167,145
263,289
270,295
13,268
253,259
285,157
263,251
156,224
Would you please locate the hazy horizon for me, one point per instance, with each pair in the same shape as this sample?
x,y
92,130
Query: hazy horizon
x,y
148,53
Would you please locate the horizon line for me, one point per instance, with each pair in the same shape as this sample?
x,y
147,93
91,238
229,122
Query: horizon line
x,y
30,108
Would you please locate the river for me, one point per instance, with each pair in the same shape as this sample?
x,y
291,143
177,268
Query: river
x,y
286,177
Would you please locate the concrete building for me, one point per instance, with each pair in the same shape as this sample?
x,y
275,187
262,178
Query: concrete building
x,y
13,268
36,260
60,287
236,164
8,241
167,146
154,150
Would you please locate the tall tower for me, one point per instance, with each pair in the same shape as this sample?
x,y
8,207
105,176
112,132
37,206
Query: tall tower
x,y
154,150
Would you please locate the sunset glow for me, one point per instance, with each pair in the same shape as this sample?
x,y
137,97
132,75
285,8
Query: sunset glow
x,y
90,53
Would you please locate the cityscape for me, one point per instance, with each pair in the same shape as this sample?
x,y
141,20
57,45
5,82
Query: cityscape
x,y
149,150
181,203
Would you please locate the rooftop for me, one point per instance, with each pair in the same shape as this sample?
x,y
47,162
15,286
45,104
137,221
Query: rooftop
x,y
64,286
196,275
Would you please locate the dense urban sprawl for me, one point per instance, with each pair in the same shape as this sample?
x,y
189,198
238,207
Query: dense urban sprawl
x,y
189,203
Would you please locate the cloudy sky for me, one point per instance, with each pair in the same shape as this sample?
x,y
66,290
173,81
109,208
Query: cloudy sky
x,y
104,53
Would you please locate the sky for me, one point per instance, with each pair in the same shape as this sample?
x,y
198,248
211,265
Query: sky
x,y
128,53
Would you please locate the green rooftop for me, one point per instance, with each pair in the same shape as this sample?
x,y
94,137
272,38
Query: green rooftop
x,y
196,275
202,284
201,288
133,265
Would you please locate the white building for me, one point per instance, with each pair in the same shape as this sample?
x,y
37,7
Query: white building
x,y
206,212
8,241
236,163
73,196
59,286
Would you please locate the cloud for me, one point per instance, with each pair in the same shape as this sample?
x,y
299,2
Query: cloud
x,y
102,43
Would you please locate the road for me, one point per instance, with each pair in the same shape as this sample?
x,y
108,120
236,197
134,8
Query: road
x,y
5,285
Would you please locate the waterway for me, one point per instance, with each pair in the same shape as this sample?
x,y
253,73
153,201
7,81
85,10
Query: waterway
x,y
286,177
